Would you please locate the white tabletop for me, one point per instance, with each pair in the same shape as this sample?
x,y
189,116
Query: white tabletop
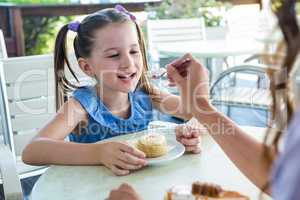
x,y
212,48
95,182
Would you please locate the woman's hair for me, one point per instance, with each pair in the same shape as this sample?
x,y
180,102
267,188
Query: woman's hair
x,y
83,45
281,70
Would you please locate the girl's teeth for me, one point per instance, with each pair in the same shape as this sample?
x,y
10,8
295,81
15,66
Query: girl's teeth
x,y
127,77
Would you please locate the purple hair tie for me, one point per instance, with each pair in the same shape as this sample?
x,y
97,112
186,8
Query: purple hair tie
x,y
123,10
74,26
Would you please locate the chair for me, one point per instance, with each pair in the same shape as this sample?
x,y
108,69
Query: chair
x,y
243,23
3,53
10,179
173,30
242,93
27,103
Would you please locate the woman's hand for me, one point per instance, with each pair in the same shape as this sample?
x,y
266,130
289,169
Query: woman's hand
x,y
193,82
124,192
120,157
189,137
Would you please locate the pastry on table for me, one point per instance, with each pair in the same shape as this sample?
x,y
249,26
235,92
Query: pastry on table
x,y
202,191
153,145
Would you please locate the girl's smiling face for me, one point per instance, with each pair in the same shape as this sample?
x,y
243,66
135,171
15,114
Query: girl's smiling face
x,y
116,58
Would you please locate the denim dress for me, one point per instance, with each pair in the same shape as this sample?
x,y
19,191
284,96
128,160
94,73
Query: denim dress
x,y
286,170
102,124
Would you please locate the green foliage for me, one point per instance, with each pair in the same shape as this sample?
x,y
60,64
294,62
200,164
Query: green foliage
x,y
40,32
210,10
276,4
35,1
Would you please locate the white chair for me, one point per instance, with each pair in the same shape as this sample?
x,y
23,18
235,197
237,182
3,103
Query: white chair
x,y
166,31
9,175
3,52
27,95
242,93
243,23
172,31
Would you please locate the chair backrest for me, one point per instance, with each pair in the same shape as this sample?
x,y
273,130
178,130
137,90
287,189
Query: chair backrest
x,y
243,21
174,30
242,76
241,89
3,52
29,95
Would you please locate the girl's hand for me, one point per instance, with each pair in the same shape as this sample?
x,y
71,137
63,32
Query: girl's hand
x,y
189,137
193,82
124,192
120,157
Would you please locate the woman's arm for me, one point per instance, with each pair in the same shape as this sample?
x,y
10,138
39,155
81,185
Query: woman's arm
x,y
243,150
171,104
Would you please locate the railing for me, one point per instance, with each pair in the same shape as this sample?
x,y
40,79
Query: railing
x,y
11,18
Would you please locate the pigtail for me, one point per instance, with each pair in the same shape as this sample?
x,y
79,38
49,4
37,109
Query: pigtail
x,y
62,85
144,82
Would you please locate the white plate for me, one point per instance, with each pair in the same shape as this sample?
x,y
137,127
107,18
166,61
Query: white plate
x,y
175,149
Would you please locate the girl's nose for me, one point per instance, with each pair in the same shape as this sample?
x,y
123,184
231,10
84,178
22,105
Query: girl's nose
x,y
127,62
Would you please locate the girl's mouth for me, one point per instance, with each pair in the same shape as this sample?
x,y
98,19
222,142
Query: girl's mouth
x,y
126,77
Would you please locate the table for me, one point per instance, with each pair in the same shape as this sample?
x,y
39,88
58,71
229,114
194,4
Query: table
x,y
212,49
11,17
95,182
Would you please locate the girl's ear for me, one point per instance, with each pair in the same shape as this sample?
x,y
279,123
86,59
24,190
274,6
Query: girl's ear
x,y
86,67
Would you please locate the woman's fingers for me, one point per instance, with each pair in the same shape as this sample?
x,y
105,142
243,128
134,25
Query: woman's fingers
x,y
181,60
124,192
174,75
119,172
126,187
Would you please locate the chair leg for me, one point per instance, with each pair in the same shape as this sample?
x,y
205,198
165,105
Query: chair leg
x,y
11,181
225,60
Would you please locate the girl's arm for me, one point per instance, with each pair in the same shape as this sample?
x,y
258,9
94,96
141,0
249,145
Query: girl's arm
x,y
171,104
49,146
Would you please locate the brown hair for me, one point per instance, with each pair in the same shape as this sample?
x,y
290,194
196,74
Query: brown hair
x,y
281,70
83,44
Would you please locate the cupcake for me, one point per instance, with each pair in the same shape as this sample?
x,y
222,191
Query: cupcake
x,y
153,145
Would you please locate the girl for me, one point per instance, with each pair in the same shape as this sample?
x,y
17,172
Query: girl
x,y
241,148
109,47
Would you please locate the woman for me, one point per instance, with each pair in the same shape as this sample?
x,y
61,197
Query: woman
x,y
240,148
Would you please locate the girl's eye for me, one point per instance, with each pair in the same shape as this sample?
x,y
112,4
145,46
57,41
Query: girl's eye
x,y
134,52
113,56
